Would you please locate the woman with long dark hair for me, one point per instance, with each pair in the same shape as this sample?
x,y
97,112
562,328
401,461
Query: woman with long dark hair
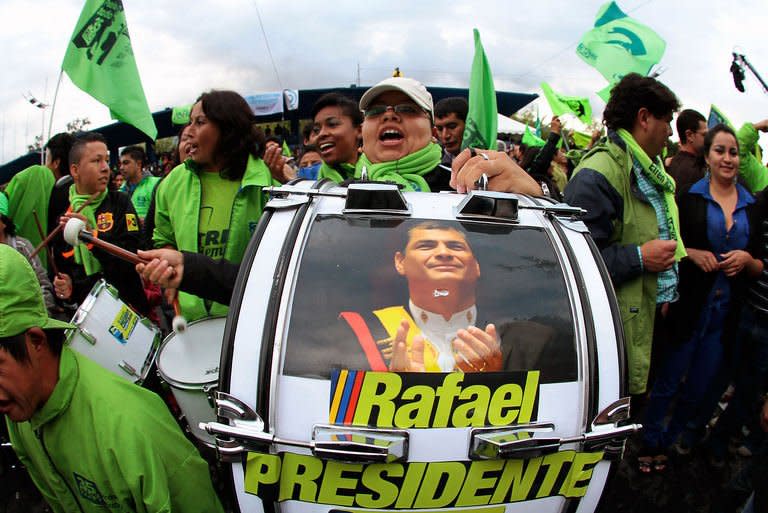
x,y
211,202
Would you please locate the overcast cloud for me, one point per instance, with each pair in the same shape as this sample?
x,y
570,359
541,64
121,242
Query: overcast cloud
x,y
185,47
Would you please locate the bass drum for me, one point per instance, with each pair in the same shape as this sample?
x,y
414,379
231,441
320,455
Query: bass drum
x,y
419,351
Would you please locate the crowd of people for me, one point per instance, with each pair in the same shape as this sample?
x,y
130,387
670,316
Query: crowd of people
x,y
684,245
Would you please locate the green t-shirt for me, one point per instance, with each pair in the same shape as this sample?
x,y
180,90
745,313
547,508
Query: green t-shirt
x,y
218,195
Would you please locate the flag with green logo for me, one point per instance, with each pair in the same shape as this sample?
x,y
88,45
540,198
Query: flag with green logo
x,y
561,104
99,60
580,139
618,45
482,118
180,115
531,140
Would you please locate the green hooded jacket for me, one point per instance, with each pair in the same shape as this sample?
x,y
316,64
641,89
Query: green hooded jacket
x,y
29,191
142,194
101,443
637,225
177,216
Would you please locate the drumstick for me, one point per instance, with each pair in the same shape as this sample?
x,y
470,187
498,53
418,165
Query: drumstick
x,y
73,231
179,323
47,249
58,229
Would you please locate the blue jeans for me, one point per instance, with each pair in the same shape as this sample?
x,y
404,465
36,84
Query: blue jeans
x,y
699,358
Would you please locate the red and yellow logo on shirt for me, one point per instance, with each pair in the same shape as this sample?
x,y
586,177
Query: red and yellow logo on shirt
x,y
131,222
104,221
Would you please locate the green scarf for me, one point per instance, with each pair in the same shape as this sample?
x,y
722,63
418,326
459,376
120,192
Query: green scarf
x,y
408,171
655,172
82,255
338,174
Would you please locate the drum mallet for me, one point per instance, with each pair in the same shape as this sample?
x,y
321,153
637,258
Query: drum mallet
x,y
75,232
48,251
56,230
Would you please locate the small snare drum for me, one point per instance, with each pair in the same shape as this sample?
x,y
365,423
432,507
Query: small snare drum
x,y
189,363
113,335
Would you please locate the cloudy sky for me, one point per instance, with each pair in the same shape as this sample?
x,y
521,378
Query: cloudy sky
x,y
185,47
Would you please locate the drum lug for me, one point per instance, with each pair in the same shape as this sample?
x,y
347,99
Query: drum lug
x,y
128,368
230,407
87,335
210,391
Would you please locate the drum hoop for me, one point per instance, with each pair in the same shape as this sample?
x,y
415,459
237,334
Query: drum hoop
x,y
184,385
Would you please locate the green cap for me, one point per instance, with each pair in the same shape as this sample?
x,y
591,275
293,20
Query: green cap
x,y
3,204
21,300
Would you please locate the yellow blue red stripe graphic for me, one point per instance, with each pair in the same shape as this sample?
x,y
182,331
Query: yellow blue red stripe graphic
x,y
345,392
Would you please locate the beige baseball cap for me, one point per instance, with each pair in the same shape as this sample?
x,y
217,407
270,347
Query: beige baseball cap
x,y
414,89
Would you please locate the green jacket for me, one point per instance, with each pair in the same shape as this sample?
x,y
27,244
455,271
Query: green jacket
x,y
753,172
29,191
141,196
100,444
177,215
620,220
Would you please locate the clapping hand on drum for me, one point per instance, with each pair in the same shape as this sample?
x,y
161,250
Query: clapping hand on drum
x,y
400,361
477,350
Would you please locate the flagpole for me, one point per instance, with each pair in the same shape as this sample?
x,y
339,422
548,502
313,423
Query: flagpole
x,y
53,105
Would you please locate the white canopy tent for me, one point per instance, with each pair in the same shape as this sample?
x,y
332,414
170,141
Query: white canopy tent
x,y
509,126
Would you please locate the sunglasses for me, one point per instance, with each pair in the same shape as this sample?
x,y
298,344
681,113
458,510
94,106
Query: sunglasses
x,y
407,109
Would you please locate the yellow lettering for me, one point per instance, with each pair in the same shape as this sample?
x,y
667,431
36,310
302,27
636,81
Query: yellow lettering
x,y
261,469
505,405
529,397
378,391
446,394
476,481
334,480
517,478
580,473
554,463
410,486
299,471
441,484
472,412
374,481
417,413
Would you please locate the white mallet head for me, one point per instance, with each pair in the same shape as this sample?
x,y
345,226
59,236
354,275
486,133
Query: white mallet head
x,y
72,229
179,324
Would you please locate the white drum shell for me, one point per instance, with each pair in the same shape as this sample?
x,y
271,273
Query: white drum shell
x,y
189,363
110,333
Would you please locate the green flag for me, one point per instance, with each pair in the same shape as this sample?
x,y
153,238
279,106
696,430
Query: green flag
x,y
716,117
482,118
180,115
286,150
531,140
99,60
580,139
575,105
618,45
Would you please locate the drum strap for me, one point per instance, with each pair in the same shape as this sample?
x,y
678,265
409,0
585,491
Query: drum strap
x,y
364,337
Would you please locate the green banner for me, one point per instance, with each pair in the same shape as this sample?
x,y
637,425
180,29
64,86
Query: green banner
x,y
482,118
619,45
561,104
99,60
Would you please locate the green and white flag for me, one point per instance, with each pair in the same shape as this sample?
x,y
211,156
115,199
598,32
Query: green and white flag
x,y
99,60
618,45
561,104
482,118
